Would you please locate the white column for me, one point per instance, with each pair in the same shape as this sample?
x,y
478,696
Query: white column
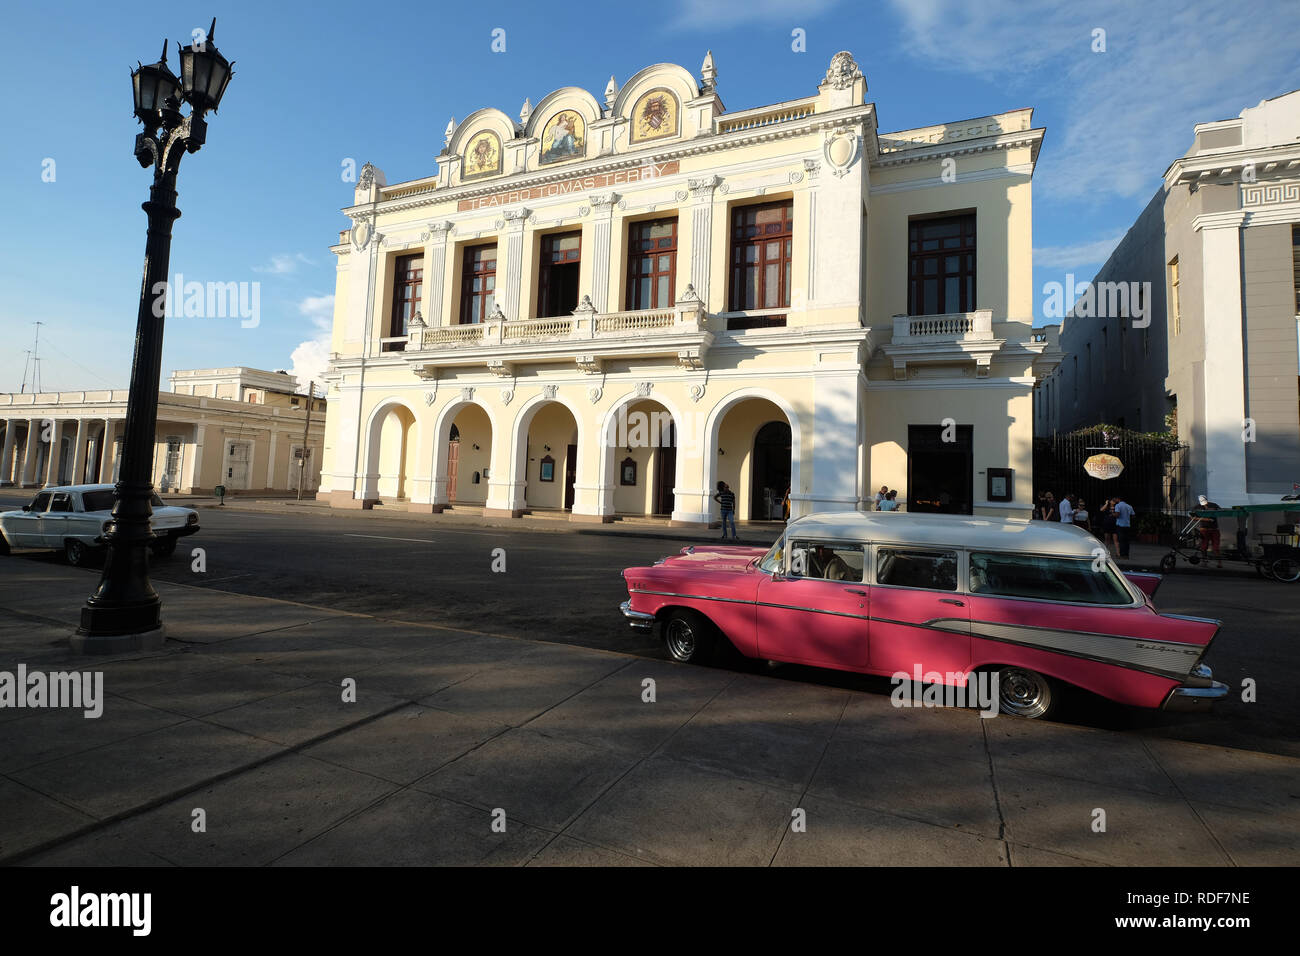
x,y
603,213
106,454
515,220
702,239
834,462
79,453
435,276
196,460
1225,403
52,462
270,460
29,456
7,457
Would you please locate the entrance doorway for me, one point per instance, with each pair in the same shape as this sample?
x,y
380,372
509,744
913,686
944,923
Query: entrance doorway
x,y
940,475
771,471
570,475
666,472
237,455
557,284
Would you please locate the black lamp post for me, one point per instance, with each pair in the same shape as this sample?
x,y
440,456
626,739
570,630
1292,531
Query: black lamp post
x,y
124,613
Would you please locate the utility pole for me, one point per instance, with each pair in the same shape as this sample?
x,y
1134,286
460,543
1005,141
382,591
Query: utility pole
x,y
302,462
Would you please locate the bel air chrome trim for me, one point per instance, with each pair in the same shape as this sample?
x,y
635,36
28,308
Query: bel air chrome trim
x,y
638,619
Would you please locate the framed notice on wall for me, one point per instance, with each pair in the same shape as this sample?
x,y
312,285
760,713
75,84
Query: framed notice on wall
x,y
1000,484
547,470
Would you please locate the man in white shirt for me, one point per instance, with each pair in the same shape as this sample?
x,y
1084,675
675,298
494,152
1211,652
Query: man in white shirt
x,y
1067,511
1124,525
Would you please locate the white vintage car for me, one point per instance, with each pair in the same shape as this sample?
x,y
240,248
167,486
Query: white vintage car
x,y
74,519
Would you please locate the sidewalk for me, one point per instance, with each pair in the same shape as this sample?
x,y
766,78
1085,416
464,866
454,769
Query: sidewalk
x,y
242,716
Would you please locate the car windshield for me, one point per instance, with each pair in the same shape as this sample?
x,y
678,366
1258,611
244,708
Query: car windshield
x,y
774,559
97,500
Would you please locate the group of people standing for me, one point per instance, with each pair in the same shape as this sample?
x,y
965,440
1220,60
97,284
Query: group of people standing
x,y
886,499
1112,523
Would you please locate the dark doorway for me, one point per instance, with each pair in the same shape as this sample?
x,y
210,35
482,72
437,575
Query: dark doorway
x,y
570,475
770,476
557,283
666,472
940,474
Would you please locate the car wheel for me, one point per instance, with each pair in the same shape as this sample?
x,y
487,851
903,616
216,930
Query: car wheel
x,y
1025,693
1286,569
76,552
164,547
688,637
1168,563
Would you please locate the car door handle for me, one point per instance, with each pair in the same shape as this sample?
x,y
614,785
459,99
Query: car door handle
x,y
856,591
952,601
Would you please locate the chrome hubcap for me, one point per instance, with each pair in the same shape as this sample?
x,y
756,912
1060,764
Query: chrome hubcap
x,y
681,639
1022,692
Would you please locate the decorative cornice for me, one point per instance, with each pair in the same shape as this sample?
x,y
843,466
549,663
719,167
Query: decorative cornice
x,y
813,123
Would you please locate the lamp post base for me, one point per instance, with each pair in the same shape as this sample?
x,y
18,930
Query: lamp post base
x,y
152,640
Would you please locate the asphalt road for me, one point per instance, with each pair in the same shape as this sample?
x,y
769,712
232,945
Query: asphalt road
x,y
565,586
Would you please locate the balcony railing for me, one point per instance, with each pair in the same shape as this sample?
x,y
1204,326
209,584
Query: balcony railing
x,y
756,119
636,321
950,327
582,325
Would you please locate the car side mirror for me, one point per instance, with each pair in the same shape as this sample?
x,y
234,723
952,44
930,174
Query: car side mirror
x,y
27,507
778,576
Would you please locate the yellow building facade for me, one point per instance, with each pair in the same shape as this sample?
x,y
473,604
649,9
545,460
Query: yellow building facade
x,y
608,306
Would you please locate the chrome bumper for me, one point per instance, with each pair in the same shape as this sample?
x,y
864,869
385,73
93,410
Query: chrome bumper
x,y
1198,693
637,619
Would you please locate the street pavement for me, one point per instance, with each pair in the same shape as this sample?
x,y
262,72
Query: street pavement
x,y
242,716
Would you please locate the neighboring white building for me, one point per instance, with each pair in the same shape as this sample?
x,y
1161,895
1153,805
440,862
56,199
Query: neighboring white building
x,y
1219,244
238,427
792,298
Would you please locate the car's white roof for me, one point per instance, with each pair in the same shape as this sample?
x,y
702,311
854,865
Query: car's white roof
x,y
958,531
78,488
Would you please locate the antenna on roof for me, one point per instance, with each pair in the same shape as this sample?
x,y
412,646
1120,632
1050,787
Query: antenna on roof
x,y
34,362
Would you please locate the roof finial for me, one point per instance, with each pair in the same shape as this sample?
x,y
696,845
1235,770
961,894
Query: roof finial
x,y
212,30
708,74
611,92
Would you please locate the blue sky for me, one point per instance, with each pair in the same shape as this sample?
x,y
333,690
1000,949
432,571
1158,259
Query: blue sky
x,y
318,84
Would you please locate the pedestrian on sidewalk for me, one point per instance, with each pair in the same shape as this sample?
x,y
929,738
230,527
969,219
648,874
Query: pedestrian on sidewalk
x,y
1123,524
889,502
1208,531
1046,507
1067,510
880,496
1109,536
726,499
1081,517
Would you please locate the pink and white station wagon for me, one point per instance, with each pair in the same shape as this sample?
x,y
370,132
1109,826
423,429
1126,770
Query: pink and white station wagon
x,y
1037,602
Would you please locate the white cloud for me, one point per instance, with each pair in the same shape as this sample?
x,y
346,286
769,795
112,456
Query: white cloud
x,y
284,264
1071,257
1125,113
311,358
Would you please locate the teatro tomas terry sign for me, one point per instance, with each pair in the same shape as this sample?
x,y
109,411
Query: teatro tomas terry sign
x,y
578,184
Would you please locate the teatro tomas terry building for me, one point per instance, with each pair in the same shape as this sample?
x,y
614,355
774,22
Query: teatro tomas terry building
x,y
609,304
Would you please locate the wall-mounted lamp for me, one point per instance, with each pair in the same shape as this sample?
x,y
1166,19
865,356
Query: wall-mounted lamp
x,y
476,448
547,447
721,452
